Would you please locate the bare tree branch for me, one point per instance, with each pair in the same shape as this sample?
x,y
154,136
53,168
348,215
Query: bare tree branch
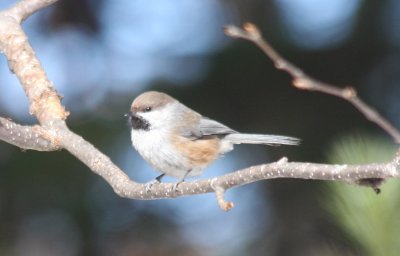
x,y
23,9
44,101
53,132
280,169
302,81
26,137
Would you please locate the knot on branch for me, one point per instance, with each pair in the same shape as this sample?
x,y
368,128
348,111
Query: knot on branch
x,y
349,92
252,30
303,84
48,107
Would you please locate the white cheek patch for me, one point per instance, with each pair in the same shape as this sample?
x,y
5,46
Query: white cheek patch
x,y
160,116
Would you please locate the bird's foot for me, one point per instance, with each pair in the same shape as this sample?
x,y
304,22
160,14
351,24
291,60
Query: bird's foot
x,y
149,184
175,187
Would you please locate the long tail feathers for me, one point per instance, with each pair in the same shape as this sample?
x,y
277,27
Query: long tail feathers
x,y
239,138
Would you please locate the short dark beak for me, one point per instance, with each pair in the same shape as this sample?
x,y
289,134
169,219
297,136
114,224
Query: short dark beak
x,y
129,117
130,114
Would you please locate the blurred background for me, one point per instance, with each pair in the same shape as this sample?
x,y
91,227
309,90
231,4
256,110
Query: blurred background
x,y
102,54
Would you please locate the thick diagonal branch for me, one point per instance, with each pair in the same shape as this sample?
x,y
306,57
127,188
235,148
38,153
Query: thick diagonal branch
x,y
44,101
23,9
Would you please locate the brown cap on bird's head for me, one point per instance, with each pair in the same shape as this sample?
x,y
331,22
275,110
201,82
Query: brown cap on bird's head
x,y
151,100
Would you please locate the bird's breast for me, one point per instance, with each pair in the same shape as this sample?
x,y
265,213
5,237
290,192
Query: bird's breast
x,y
156,149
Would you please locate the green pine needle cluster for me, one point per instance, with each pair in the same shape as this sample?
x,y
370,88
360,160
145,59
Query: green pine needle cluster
x,y
372,220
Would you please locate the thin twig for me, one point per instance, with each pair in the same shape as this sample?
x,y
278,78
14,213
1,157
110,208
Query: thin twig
x,y
219,194
303,81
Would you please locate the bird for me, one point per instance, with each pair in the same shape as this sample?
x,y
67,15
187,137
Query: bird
x,y
179,142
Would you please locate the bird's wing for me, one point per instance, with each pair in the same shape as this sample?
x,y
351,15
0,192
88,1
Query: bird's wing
x,y
206,127
211,127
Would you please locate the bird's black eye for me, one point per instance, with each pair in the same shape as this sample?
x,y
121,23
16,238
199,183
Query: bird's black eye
x,y
147,109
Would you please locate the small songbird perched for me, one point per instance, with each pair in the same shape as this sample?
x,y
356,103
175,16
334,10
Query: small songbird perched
x,y
180,142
